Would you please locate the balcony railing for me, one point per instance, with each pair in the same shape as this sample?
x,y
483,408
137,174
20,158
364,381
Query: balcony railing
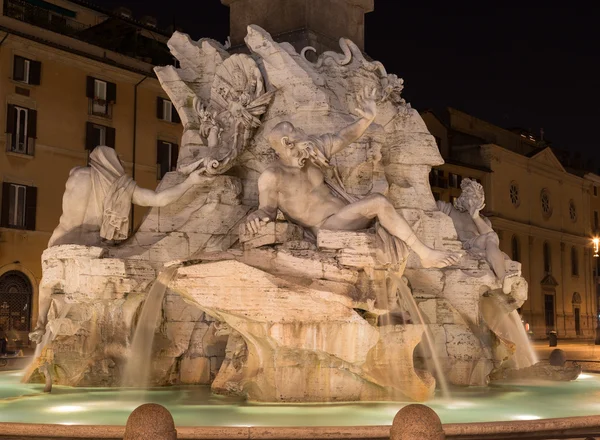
x,y
44,18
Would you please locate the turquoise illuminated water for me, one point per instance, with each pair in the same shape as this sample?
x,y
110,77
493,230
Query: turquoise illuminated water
x,y
196,406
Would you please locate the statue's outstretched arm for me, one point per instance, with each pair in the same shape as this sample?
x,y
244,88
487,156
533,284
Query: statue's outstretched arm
x,y
352,132
267,202
147,197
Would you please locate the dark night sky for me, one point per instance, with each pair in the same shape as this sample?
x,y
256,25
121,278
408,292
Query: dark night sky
x,y
526,66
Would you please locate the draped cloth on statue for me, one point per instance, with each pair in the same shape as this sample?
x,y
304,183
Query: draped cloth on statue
x,y
112,193
394,250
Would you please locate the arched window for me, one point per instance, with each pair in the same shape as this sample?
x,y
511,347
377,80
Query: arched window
x,y
516,248
547,260
574,262
15,303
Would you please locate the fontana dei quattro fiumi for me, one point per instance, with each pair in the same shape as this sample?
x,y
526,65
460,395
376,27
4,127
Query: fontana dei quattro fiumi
x,y
295,270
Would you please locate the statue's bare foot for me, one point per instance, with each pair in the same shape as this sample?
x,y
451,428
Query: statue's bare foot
x,y
508,281
37,335
439,259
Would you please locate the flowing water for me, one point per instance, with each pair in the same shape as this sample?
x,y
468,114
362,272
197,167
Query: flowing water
x,y
517,334
413,309
506,323
139,364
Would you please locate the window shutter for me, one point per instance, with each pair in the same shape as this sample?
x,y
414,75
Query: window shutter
x,y
31,131
111,92
19,68
89,137
89,89
162,159
10,119
174,115
110,137
32,123
159,108
174,156
35,73
5,203
10,126
30,207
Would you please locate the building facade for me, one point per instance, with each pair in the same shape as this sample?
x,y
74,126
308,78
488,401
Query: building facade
x,y
543,213
61,94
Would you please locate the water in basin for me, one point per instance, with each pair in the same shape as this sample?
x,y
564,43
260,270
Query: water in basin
x,y
196,406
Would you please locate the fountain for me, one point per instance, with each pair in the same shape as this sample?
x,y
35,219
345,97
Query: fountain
x,y
320,296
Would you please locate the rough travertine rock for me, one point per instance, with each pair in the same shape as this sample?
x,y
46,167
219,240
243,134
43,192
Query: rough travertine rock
x,y
543,370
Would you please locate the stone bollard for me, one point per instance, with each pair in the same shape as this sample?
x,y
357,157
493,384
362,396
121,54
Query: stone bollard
x,y
150,422
417,422
558,358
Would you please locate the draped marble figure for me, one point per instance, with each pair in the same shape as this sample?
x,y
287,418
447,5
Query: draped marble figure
x,y
96,206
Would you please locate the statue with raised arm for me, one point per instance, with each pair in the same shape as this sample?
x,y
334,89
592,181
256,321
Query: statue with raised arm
x,y
96,206
297,185
475,231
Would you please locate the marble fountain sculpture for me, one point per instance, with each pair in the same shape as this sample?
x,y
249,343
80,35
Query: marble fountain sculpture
x,y
290,243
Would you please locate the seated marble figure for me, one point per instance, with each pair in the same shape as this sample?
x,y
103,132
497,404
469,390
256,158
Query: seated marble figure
x,y
297,185
96,207
475,231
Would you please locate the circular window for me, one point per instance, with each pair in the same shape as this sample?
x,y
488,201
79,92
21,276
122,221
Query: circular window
x,y
514,194
546,203
572,211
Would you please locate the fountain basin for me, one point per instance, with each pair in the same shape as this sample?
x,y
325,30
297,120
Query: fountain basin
x,y
196,406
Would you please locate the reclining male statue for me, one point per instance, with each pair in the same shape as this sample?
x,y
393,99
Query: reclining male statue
x,y
96,206
475,231
299,188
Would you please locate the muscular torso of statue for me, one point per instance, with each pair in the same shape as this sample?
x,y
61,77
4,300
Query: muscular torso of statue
x,y
296,185
303,196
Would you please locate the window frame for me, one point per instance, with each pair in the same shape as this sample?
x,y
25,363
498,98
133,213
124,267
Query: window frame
x,y
31,70
167,110
9,217
574,262
20,121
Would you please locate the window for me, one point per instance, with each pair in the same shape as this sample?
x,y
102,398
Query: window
x,y
546,204
547,258
516,248
101,94
549,311
572,211
514,194
26,71
18,206
166,111
97,134
166,158
596,221
574,262
454,180
595,191
436,179
21,129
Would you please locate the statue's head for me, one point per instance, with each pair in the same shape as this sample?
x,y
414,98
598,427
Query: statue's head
x,y
472,195
291,144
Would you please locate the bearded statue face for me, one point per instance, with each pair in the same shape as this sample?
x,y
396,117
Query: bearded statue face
x,y
297,149
472,196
